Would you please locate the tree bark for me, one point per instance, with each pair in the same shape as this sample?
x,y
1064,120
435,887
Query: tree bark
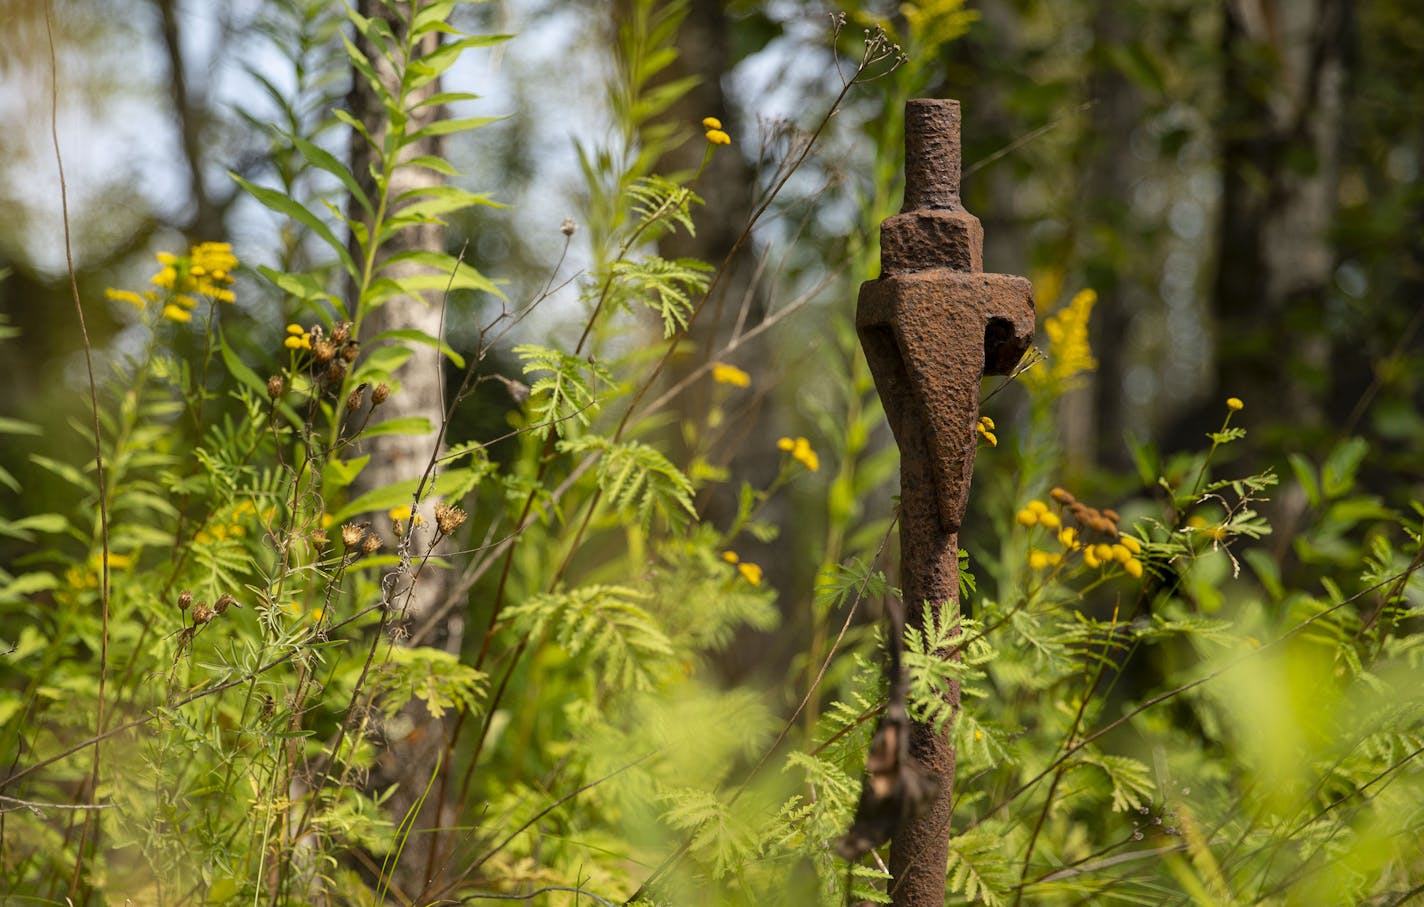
x,y
414,741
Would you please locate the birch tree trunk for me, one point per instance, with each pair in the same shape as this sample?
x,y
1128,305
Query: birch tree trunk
x,y
414,741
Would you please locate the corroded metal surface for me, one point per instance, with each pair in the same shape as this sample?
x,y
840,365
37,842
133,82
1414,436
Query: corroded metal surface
x,y
932,326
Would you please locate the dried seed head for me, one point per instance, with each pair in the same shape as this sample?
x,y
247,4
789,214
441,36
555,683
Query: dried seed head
x,y
202,613
398,528
568,226
1062,496
448,517
274,386
324,350
1112,515
335,372
224,602
341,333
349,351
185,600
353,399
351,535
372,544
379,395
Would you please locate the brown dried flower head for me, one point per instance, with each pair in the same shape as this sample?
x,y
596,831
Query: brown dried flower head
x,y
448,517
202,613
379,395
342,332
351,535
185,600
224,602
274,386
372,544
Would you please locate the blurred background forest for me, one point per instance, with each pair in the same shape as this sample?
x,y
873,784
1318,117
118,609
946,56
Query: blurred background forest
x,y
1239,181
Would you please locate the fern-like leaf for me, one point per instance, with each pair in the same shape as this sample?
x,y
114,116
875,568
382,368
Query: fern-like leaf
x,y
559,390
607,624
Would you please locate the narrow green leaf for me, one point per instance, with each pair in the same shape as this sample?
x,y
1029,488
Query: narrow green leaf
x,y
407,425
413,335
321,158
282,204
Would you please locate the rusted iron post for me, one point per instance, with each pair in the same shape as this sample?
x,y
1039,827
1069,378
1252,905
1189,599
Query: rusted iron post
x,y
932,326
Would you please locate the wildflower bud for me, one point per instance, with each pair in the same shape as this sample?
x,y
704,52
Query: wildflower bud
x,y
372,544
349,351
202,614
1062,496
185,600
568,226
324,350
448,517
341,333
379,395
398,528
224,602
353,399
274,387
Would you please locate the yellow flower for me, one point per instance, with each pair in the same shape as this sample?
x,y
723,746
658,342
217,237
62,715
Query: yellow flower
x,y
1091,558
750,572
800,450
1121,554
730,557
1049,520
1026,517
205,271
1040,560
295,328
718,137
125,296
985,428
1133,567
1069,353
402,513
1234,404
1068,537
711,123
1103,552
1130,543
1036,506
177,313
723,373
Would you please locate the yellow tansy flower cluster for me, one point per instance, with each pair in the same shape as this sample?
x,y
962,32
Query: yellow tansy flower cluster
x,y
722,373
1069,353
1234,404
298,338
1116,549
800,450
749,571
985,428
715,135
205,271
